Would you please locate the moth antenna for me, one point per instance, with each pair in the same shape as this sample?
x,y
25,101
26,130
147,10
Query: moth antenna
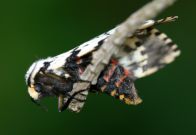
x,y
167,20
151,23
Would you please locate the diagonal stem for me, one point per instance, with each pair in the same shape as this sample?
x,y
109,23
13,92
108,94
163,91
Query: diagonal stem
x,y
125,29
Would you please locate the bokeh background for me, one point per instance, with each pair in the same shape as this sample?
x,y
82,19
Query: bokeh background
x,y
34,29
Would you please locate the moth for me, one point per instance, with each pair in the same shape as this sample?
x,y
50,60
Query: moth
x,y
142,54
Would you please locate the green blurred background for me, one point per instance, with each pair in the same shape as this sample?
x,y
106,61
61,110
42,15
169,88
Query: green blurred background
x,y
34,29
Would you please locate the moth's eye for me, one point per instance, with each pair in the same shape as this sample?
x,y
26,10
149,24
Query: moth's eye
x,y
38,88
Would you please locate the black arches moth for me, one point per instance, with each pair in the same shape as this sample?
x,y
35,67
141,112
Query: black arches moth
x,y
142,54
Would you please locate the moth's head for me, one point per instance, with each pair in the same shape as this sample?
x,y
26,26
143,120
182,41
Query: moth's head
x,y
43,82
34,89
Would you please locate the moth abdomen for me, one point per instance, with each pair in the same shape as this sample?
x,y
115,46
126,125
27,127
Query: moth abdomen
x,y
116,81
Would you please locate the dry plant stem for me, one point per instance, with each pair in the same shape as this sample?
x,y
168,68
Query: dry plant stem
x,y
114,42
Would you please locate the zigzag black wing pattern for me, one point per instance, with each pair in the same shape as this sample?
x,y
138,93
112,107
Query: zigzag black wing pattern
x,y
150,50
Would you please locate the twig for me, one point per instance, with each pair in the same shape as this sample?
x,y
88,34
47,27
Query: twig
x,y
127,28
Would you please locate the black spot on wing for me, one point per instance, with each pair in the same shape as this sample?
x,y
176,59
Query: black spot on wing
x,y
85,60
149,29
138,43
170,44
74,54
71,65
106,33
100,43
165,38
46,65
176,49
157,33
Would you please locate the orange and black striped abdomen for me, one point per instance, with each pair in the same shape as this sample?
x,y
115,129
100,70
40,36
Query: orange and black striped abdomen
x,y
116,81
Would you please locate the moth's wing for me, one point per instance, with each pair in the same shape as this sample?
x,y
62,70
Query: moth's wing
x,y
82,50
93,44
96,42
147,52
144,53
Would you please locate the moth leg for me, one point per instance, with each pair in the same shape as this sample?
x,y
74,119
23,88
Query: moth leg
x,y
60,103
74,102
